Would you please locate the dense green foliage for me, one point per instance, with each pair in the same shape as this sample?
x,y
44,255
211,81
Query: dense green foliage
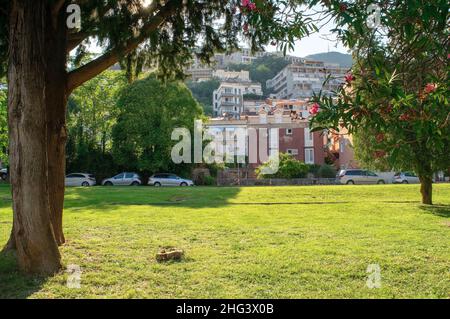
x,y
364,147
326,171
289,167
203,92
92,112
149,111
3,128
249,242
263,69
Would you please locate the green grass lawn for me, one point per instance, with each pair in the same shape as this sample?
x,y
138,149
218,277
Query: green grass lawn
x,y
255,242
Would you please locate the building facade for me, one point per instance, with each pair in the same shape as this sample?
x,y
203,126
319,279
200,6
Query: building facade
x,y
228,99
303,79
293,137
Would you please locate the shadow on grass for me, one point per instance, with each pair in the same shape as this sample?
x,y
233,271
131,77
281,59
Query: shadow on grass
x,y
192,197
15,285
438,210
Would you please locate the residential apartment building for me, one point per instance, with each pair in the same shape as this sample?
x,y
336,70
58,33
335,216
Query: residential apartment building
x,y
304,78
225,75
294,136
300,107
228,99
199,71
340,149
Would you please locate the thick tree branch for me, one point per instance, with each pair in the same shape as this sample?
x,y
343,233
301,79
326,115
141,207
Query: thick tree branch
x,y
88,71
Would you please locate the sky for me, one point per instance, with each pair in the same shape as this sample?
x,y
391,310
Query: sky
x,y
320,42
323,41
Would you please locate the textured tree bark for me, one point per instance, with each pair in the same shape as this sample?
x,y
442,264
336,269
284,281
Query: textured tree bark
x,y
56,101
426,189
33,233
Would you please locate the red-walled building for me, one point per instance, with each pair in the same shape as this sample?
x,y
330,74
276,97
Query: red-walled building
x,y
294,136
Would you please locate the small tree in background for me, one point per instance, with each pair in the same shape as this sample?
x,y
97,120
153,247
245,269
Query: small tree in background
x,y
149,111
289,167
398,91
92,113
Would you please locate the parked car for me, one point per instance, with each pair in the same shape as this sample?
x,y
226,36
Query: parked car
x,y
4,173
165,179
359,176
123,179
405,178
80,179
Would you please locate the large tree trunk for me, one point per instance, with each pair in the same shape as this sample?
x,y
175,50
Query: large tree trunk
x,y
56,101
34,144
426,189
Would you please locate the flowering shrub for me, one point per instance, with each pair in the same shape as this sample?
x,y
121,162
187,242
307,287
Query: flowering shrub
x,y
397,89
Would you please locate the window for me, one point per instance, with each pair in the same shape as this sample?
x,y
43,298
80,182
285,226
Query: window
x,y
129,175
292,151
309,156
371,174
309,138
288,131
120,176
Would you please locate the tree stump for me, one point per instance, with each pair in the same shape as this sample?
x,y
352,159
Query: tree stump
x,y
169,253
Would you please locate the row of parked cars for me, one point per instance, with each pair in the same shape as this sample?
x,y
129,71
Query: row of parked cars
x,y
360,176
127,179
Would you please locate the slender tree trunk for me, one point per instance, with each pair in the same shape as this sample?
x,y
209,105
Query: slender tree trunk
x,y
32,115
426,189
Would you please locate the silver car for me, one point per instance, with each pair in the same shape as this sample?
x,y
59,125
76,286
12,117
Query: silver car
x,y
123,179
80,179
405,178
165,179
359,176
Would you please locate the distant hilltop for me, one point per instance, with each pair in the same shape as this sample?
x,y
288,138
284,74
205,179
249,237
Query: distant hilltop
x,y
344,60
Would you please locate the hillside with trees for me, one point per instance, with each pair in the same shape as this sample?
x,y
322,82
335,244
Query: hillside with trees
x,y
344,60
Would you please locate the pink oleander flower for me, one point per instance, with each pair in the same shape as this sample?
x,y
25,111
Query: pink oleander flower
x,y
314,109
430,88
245,3
252,6
349,78
380,137
448,56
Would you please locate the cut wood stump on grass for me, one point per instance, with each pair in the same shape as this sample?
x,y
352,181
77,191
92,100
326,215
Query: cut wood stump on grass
x,y
169,253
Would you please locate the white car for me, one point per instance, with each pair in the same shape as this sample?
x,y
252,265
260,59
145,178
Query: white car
x,y
80,179
123,179
165,179
358,176
405,178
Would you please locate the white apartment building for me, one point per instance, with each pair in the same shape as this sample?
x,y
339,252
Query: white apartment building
x,y
198,71
228,99
225,75
301,80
